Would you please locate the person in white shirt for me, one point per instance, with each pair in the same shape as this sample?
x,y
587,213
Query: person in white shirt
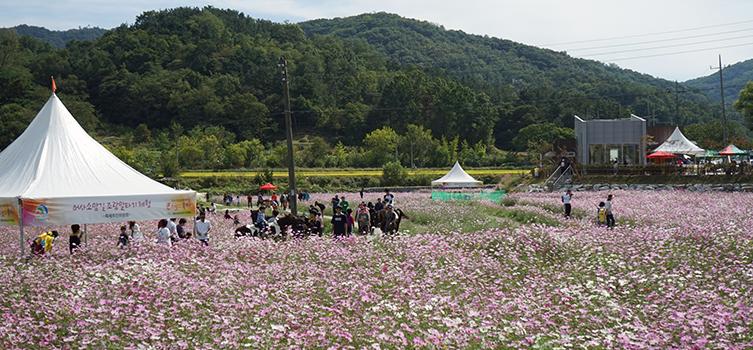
x,y
202,229
566,197
136,234
163,234
173,228
388,197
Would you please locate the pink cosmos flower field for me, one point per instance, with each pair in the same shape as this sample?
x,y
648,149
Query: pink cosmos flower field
x,y
675,273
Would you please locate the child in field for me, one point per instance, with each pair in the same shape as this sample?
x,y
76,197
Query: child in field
x,y
602,215
123,239
43,243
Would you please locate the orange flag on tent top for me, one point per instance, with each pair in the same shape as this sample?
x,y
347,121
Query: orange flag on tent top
x,y
53,84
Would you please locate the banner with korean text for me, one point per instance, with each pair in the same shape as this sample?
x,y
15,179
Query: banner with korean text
x,y
8,212
86,210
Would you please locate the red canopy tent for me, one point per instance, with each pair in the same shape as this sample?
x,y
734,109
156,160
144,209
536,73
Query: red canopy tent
x,y
660,154
268,186
731,150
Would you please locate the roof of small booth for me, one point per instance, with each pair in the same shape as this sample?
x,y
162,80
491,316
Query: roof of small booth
x,y
677,143
56,158
457,177
732,150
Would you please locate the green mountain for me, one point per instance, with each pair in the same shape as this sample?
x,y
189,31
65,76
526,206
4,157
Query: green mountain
x,y
735,77
58,38
198,68
536,74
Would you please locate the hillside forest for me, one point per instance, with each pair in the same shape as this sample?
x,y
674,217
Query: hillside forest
x,y
200,88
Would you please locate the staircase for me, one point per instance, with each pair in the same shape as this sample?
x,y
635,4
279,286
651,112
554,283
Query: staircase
x,y
559,178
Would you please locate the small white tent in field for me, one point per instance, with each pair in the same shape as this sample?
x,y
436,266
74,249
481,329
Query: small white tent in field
x,y
56,174
677,143
457,178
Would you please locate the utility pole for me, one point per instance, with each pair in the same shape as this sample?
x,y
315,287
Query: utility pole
x,y
292,196
677,103
412,166
396,161
721,88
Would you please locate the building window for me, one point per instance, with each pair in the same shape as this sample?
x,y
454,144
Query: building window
x,y
596,154
631,153
614,152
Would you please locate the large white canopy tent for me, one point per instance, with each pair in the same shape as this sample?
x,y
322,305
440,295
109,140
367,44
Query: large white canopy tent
x,y
677,143
457,178
56,174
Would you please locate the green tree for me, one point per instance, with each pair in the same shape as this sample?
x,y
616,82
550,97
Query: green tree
x,y
254,152
8,46
235,156
168,165
13,121
142,134
190,156
393,174
418,141
380,145
710,135
537,133
315,154
744,104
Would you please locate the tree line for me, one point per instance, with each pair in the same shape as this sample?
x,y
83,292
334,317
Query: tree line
x,y
208,78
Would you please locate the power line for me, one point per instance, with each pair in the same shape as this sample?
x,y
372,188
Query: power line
x,y
649,34
660,41
678,53
667,46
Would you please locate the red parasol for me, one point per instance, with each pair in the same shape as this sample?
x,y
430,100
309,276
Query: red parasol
x,y
268,186
660,154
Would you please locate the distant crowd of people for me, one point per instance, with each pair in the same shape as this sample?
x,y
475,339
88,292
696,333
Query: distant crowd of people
x,y
172,231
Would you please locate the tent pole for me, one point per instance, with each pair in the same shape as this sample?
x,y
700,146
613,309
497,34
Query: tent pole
x,y
21,224
86,236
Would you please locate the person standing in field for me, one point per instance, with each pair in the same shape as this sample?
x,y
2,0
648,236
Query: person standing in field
x,y
389,221
566,198
608,209
163,233
74,242
202,227
339,223
350,221
344,204
364,220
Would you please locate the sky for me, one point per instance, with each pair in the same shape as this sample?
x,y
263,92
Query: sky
x,y
675,40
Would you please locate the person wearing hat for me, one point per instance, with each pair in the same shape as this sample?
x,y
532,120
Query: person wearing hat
x,y
43,243
339,223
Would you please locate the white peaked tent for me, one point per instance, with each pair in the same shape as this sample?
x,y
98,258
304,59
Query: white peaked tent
x,y
56,174
677,143
457,177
